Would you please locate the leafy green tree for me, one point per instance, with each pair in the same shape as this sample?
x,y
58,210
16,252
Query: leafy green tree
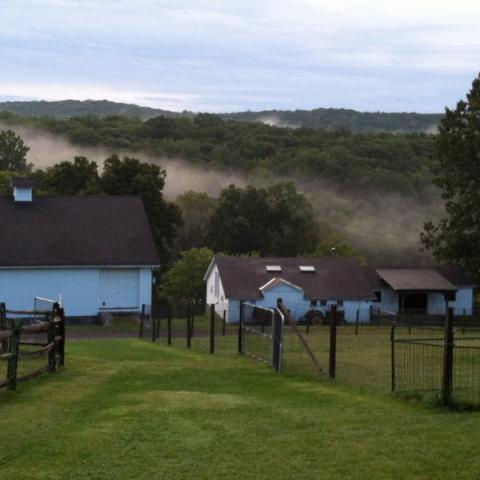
x,y
273,221
184,283
70,178
6,182
197,209
129,176
456,238
13,152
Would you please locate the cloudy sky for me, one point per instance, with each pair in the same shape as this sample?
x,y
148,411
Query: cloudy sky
x,y
206,55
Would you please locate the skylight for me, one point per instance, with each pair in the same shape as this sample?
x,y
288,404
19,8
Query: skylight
x,y
307,268
273,268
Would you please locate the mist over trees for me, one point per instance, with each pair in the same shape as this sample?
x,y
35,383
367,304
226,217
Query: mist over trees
x,y
378,162
456,237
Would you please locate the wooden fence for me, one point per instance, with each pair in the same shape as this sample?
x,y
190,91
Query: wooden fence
x,y
17,330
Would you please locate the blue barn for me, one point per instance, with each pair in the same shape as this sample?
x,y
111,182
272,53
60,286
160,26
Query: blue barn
x,y
95,253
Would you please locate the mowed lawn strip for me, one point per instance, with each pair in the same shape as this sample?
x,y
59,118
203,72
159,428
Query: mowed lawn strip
x,y
132,409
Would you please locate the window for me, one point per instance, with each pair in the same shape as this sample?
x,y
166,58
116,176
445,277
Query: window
x,y
340,303
307,268
323,303
378,296
313,303
273,268
217,286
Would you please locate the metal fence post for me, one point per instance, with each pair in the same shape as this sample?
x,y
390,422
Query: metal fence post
x,y
392,355
224,323
277,339
142,317
169,326
333,343
463,321
240,329
212,328
189,327
447,379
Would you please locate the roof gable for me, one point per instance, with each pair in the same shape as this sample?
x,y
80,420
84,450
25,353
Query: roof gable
x,y
76,231
276,282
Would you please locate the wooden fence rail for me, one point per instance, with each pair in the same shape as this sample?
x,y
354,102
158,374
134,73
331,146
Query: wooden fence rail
x,y
12,334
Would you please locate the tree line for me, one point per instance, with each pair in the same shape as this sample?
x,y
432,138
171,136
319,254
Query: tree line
x,y
379,162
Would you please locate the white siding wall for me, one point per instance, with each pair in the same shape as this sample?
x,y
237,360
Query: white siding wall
x,y
216,294
79,288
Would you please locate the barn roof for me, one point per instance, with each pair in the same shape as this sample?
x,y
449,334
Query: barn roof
x,y
425,279
75,231
456,275
333,278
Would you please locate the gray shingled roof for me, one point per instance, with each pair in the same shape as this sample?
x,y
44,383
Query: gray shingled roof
x,y
335,278
75,231
415,279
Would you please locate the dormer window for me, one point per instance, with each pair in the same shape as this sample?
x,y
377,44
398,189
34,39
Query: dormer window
x,y
22,189
273,268
307,268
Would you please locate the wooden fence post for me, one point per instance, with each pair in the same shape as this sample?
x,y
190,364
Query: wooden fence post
x,y
447,379
3,324
333,343
357,319
212,328
224,323
392,355
14,342
51,341
61,333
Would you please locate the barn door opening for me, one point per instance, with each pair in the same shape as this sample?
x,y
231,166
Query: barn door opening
x,y
415,302
119,289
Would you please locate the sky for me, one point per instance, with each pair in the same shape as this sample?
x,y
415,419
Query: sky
x,y
222,56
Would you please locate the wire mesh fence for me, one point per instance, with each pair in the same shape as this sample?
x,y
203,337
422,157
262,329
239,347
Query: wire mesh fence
x,y
257,337
384,355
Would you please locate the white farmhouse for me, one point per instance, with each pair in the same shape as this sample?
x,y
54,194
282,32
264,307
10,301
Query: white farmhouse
x,y
306,284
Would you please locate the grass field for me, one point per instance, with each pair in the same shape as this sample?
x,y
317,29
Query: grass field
x,y
127,408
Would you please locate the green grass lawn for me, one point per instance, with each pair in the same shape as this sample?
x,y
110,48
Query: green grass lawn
x,y
129,409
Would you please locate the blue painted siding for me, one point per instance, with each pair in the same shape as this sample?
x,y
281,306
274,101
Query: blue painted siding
x,y
298,305
79,288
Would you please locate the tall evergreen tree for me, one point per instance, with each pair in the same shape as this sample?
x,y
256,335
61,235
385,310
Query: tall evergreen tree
x,y
456,238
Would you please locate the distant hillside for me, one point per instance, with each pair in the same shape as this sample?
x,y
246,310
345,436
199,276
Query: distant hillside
x,y
342,119
76,108
320,118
